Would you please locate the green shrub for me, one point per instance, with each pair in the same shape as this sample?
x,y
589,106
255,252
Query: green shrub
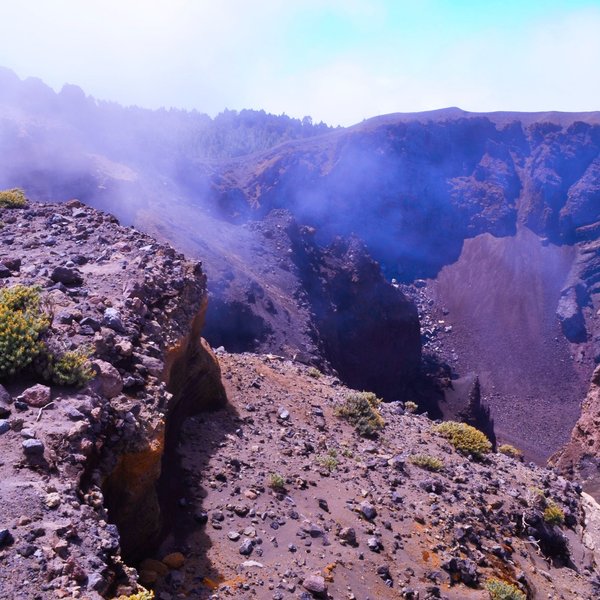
x,y
360,409
464,438
554,514
276,481
21,325
329,461
143,594
23,321
14,198
72,368
502,590
510,451
411,407
314,373
427,462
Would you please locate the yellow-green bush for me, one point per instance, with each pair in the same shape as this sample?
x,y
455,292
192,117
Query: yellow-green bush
x,y
510,451
360,409
314,373
502,590
411,407
21,326
464,438
329,461
276,481
427,462
554,514
143,594
71,368
14,198
23,322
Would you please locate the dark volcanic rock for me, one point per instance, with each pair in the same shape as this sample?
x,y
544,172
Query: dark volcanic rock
x,y
571,317
580,457
346,315
66,276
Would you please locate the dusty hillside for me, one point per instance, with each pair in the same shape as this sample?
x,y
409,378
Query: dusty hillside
x,y
354,515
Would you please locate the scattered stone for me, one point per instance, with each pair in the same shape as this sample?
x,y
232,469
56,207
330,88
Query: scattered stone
x,y
374,544
52,500
252,563
315,584
246,547
175,560
4,426
368,511
108,379
348,536
33,447
157,566
37,396
384,572
201,517
90,322
66,276
6,538
11,262
112,319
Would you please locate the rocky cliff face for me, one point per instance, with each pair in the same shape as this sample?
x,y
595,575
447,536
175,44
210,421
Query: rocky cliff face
x,y
580,458
326,306
500,213
81,469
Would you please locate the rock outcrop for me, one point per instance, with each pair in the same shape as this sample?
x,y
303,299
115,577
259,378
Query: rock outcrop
x,y
83,491
327,306
579,459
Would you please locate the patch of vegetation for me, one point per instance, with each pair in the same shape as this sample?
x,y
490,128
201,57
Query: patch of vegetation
x,y
464,438
411,407
24,319
314,373
14,198
510,451
72,368
22,324
143,594
427,462
554,514
329,461
276,482
361,410
502,590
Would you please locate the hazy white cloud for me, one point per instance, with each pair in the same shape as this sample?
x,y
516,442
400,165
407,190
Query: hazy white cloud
x,y
288,56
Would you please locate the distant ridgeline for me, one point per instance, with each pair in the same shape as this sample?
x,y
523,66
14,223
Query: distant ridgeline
x,y
160,132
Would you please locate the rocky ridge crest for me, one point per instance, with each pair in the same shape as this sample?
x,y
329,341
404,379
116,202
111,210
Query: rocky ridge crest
x,y
69,456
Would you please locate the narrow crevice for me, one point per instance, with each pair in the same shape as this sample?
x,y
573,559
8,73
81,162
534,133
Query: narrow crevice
x,y
141,490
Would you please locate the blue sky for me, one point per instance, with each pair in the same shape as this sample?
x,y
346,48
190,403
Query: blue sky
x,y
337,60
